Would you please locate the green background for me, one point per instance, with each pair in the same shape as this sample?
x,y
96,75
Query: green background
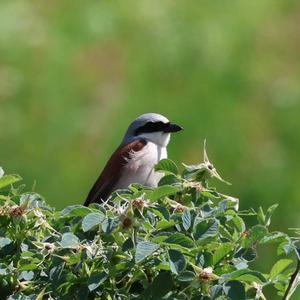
x,y
74,74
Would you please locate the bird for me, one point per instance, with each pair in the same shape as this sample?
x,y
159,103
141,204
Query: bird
x,y
143,146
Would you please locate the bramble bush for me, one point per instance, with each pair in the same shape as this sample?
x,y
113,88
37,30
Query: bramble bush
x,y
181,240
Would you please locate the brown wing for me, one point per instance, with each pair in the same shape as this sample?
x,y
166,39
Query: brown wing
x,y
111,173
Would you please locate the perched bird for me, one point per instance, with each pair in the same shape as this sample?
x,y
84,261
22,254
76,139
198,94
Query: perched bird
x,y
143,146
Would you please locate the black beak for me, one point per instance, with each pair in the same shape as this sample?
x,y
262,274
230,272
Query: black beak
x,y
173,128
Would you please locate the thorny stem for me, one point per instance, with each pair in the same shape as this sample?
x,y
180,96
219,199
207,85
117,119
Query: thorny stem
x,y
293,283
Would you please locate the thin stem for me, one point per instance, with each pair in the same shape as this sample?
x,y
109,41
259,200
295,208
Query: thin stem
x,y
293,283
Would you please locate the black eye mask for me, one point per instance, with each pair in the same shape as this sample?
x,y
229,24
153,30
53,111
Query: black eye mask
x,y
156,127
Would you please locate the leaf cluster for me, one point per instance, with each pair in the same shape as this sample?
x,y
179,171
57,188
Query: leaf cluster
x,y
181,240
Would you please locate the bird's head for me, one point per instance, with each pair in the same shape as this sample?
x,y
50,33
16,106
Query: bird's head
x,y
151,127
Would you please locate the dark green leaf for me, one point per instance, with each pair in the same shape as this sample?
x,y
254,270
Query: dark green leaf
x,y
206,229
177,261
186,276
161,285
96,279
235,290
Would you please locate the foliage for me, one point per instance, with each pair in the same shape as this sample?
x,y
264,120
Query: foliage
x,y
181,240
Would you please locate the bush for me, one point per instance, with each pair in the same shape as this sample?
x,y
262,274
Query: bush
x,y
181,240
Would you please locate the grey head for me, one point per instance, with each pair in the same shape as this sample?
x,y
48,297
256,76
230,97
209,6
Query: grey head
x,y
150,126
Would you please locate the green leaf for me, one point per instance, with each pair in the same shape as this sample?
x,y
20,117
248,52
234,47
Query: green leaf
x,y
9,179
239,224
274,237
186,276
26,275
166,165
91,220
245,275
180,239
160,286
1,172
4,241
75,211
257,233
206,229
163,191
163,224
95,280
69,240
269,213
261,216
108,225
186,219
278,267
221,252
235,290
144,249
177,261
169,179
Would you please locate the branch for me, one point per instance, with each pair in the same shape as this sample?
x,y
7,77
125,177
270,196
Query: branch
x,y
294,281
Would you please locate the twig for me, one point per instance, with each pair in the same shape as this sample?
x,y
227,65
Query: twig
x,y
293,283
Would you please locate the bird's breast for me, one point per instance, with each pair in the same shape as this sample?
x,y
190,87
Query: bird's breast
x,y
140,166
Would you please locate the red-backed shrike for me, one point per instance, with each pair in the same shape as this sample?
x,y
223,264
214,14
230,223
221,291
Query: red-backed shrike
x,y
143,146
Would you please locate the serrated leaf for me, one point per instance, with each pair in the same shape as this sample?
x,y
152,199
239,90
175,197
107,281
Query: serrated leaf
x,y
186,276
163,191
169,179
180,239
239,224
9,179
144,249
186,219
177,261
75,211
206,229
235,290
269,213
69,240
4,241
278,267
91,220
162,224
273,237
95,280
221,252
160,286
26,275
166,165
246,275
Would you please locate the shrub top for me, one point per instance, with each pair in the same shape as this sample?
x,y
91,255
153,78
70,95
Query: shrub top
x,y
181,240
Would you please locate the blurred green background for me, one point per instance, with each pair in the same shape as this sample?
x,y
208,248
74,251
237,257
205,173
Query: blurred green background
x,y
73,75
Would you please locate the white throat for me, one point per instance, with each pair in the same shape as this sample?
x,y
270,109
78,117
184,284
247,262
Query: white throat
x,y
159,138
140,166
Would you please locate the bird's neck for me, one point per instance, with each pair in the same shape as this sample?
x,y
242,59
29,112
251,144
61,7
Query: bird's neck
x,y
160,139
